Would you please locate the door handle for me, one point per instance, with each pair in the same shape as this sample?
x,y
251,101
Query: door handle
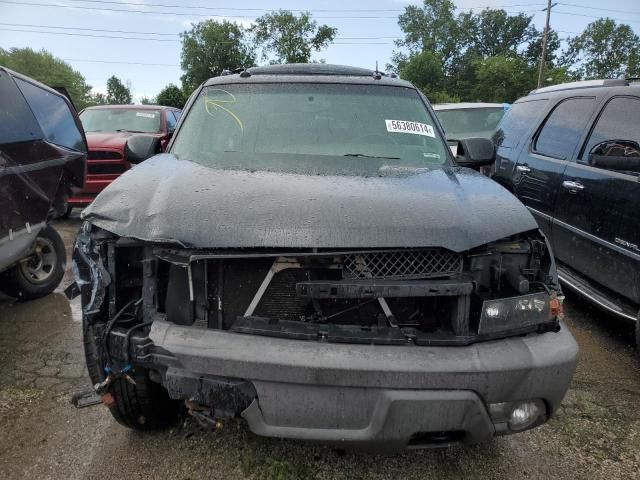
x,y
573,187
523,169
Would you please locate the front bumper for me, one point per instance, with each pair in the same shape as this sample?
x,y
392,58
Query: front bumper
x,y
374,395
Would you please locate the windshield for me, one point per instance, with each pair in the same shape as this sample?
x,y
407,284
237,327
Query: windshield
x,y
310,128
120,119
470,122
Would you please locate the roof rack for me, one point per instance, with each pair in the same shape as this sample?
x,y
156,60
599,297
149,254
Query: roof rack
x,y
617,82
310,69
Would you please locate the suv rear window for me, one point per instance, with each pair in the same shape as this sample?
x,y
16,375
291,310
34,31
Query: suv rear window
x,y
310,128
53,115
564,127
518,122
620,120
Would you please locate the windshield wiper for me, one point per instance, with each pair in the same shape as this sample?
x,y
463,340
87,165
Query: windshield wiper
x,y
369,156
130,131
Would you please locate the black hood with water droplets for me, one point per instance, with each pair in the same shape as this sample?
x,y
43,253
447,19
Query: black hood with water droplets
x,y
169,200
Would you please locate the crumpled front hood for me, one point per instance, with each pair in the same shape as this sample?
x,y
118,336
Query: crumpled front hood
x,y
169,200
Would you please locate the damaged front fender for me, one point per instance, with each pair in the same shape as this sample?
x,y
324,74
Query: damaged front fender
x,y
88,265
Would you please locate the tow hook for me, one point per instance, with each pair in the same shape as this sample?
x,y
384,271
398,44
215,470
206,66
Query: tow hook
x,y
203,415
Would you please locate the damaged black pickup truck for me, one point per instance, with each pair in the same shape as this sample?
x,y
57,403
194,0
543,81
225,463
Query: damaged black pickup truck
x,y
309,256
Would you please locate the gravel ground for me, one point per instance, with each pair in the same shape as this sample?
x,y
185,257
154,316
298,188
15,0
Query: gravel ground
x,y
596,433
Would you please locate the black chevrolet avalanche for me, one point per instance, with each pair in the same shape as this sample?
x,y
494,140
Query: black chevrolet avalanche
x,y
309,256
571,154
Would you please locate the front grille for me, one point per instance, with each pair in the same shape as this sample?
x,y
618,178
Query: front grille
x,y
103,155
105,169
410,264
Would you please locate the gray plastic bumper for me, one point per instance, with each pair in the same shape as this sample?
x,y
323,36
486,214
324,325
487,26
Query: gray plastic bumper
x,y
374,394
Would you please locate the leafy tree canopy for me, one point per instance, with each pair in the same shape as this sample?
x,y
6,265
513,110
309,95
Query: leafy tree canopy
x,y
117,92
290,38
171,96
45,68
211,47
604,50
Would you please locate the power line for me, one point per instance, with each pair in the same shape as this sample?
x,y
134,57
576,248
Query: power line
x,y
158,33
122,63
87,29
113,37
575,14
93,36
267,10
598,8
160,12
194,14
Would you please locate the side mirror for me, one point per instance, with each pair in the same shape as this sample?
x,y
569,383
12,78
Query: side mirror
x,y
140,147
475,152
616,155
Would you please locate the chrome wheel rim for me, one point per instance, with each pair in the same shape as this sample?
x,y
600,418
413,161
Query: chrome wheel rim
x,y
40,265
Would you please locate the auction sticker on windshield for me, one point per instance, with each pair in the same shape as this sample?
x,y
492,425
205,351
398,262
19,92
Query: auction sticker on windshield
x,y
415,128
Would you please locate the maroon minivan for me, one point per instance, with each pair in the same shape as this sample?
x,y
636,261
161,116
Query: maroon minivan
x,y
108,127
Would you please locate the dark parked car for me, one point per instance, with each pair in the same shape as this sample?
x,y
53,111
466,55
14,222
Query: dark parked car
x,y
42,159
308,256
571,153
108,127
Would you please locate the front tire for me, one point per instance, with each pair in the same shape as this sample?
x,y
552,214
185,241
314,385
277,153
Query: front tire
x,y
41,272
143,406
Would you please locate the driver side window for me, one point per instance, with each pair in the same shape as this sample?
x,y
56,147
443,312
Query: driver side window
x,y
616,133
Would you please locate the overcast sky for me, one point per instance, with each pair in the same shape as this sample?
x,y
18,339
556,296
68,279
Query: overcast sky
x,y
88,17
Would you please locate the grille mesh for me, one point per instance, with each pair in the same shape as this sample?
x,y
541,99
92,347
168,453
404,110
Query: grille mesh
x,y
410,264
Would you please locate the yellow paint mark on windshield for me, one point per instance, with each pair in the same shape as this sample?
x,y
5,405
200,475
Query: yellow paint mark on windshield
x,y
214,104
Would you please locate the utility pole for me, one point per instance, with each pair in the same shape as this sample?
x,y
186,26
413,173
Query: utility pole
x,y
544,41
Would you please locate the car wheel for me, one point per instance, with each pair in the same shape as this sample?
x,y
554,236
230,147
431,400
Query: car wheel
x,y
41,272
143,406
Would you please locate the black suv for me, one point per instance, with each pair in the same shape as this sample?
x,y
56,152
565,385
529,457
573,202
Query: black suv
x,y
308,255
571,153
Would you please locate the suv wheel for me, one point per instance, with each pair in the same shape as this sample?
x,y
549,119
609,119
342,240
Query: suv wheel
x,y
143,406
41,272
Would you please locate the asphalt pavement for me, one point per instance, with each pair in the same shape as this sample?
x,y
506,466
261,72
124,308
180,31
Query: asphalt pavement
x,y
596,433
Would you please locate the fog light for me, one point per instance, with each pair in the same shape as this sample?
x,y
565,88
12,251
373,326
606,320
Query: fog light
x,y
525,414
518,415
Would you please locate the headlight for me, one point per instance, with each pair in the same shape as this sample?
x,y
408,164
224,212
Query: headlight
x,y
516,312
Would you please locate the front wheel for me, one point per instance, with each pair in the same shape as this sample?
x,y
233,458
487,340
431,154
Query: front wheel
x,y
41,272
143,406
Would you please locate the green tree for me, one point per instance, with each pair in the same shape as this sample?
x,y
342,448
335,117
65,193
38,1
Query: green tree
x,y
604,50
211,47
171,96
494,32
98,99
432,28
290,38
502,78
147,101
534,50
425,71
51,71
117,92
